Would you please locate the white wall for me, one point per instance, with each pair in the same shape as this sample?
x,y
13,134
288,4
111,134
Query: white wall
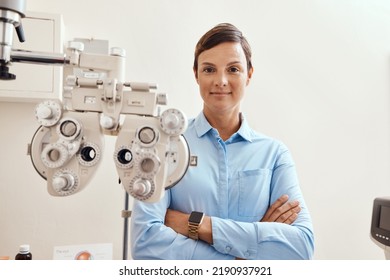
x,y
321,85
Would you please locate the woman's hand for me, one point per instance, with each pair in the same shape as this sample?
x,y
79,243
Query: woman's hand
x,y
178,221
282,211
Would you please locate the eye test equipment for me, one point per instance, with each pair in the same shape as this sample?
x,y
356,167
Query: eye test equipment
x,y
151,154
380,224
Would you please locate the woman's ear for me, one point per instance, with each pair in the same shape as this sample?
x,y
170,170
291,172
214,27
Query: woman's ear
x,y
195,74
250,72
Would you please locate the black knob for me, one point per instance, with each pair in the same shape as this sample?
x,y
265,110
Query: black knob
x,y
20,32
5,74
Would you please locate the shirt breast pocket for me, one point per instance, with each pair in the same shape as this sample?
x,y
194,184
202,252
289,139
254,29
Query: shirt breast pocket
x,y
254,192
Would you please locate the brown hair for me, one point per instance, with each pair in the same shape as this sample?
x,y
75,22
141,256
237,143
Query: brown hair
x,y
221,33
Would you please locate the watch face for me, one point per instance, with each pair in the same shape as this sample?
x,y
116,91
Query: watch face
x,y
195,217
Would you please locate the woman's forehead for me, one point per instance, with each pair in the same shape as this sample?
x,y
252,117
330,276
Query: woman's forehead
x,y
223,53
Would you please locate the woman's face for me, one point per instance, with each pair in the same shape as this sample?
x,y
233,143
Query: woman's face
x,y
222,77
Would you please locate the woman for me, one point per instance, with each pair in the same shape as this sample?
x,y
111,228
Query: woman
x,y
241,198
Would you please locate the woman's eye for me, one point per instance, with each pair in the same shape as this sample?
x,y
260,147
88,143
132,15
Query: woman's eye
x,y
208,69
234,69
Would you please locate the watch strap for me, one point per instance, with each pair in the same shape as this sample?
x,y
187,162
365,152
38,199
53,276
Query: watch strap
x,y
194,222
193,231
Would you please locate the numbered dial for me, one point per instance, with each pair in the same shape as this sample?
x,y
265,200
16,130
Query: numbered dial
x,y
147,164
173,122
65,182
141,189
54,155
48,112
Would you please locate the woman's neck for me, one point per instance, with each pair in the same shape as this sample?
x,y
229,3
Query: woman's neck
x,y
226,124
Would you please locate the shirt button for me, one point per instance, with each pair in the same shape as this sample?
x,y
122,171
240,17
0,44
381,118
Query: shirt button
x,y
228,249
246,254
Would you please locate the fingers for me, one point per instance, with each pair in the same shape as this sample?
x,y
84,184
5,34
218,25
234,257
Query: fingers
x,y
282,211
270,212
289,216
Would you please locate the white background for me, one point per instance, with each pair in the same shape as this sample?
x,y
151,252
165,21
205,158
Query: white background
x,y
321,85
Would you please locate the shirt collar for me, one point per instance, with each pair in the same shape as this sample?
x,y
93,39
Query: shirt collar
x,y
202,126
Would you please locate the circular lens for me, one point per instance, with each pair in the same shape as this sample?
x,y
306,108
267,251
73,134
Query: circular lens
x,y
54,155
88,154
147,135
125,156
147,165
68,128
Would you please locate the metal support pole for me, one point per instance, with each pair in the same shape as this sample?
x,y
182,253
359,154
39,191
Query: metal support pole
x,y
126,214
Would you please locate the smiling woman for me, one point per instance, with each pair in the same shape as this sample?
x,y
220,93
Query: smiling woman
x,y
241,200
222,77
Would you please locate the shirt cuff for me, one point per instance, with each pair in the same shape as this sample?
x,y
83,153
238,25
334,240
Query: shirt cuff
x,y
230,237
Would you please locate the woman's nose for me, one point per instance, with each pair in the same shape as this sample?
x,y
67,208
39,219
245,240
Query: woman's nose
x,y
221,80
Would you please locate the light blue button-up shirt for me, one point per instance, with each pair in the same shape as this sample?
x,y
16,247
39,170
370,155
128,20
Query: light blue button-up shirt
x,y
234,182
